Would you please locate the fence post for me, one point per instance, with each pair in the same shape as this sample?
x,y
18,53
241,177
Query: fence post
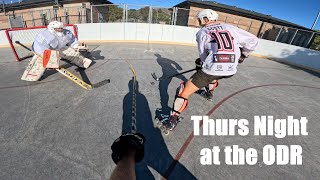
x,y
84,10
238,22
176,16
278,34
91,14
79,16
33,23
172,16
150,15
293,36
126,13
262,27
49,14
123,13
310,39
250,26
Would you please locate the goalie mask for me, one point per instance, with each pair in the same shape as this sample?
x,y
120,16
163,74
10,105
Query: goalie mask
x,y
207,13
56,27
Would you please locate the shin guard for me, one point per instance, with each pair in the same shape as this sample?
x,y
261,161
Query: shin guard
x,y
180,103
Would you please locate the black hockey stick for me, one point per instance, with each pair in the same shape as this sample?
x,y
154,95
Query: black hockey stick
x,y
101,83
18,42
168,77
130,140
134,100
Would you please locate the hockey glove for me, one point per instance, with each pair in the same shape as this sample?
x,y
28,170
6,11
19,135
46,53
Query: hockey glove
x,y
198,64
243,56
83,49
127,142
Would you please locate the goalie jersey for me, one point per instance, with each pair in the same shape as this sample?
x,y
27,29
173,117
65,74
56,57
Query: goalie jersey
x,y
47,40
219,47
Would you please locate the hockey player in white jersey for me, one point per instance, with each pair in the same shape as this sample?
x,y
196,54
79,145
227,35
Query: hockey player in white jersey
x,y
55,38
221,47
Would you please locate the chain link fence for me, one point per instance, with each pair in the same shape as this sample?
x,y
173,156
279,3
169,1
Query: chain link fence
x,y
108,13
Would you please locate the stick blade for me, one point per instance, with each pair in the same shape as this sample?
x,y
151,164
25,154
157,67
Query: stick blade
x,y
154,76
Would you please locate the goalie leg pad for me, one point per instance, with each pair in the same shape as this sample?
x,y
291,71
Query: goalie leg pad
x,y
34,70
180,103
76,58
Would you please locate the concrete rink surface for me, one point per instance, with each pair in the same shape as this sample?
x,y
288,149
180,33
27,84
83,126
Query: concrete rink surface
x,y
54,129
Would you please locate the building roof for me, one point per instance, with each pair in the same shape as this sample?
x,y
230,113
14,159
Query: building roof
x,y
26,4
239,11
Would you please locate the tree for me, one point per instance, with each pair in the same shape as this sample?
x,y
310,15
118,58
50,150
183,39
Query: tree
x,y
161,15
139,15
115,14
316,42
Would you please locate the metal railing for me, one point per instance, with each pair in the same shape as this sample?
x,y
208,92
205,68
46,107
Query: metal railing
x,y
108,13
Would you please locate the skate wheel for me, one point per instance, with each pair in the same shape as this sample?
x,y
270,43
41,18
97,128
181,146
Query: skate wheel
x,y
159,123
162,128
166,132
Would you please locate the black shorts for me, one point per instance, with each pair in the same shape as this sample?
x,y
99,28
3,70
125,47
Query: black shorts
x,y
201,79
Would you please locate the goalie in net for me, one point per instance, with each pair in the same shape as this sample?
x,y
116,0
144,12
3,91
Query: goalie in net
x,y
62,43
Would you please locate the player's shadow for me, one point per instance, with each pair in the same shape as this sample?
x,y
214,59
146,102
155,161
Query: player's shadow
x,y
157,155
95,55
169,67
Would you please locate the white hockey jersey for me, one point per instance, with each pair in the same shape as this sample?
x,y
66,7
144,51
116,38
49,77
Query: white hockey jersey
x,y
47,40
219,47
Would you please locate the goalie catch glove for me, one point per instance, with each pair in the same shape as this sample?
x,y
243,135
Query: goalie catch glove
x,y
127,142
81,47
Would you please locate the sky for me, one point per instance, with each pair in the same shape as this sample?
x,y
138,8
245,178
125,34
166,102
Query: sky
x,y
299,12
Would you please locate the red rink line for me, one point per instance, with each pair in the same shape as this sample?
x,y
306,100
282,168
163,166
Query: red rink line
x,y
189,139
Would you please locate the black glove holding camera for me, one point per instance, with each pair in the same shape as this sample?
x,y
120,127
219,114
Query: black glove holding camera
x,y
127,142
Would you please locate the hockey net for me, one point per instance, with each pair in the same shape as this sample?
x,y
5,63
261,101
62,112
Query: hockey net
x,y
26,36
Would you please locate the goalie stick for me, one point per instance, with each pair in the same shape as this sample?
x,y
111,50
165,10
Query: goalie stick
x,y
69,75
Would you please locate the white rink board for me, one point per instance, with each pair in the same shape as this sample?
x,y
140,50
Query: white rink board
x,y
89,31
291,54
3,38
156,32
185,35
112,31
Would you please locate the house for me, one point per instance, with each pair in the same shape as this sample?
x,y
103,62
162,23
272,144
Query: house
x,y
261,25
29,13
